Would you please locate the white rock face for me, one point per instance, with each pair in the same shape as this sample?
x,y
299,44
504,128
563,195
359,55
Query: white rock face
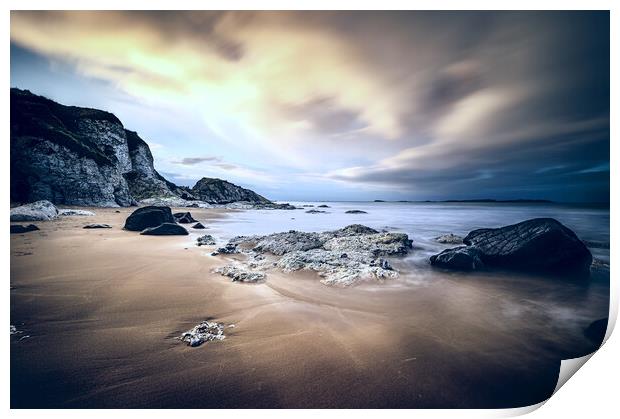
x,y
238,274
70,212
35,211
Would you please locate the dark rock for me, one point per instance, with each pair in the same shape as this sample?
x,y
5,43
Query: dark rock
x,y
379,200
596,330
313,211
323,206
199,226
165,229
355,212
537,245
117,211
97,226
461,258
146,217
20,229
230,248
218,191
184,218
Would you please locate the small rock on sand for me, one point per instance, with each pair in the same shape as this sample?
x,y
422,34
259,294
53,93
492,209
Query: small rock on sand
x,y
97,225
237,274
35,211
70,212
165,229
206,331
355,212
206,240
199,226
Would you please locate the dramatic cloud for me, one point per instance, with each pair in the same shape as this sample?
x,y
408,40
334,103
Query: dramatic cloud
x,y
415,104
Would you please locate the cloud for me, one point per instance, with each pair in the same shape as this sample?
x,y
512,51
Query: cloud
x,y
423,102
190,161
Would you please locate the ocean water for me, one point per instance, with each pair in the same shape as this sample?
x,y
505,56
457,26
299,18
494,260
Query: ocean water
x,y
421,221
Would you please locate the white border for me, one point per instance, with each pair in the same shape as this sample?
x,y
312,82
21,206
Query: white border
x,y
592,394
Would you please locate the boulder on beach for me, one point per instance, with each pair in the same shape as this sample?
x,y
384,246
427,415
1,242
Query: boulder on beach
x,y
541,245
165,229
36,211
20,229
322,206
449,239
199,226
204,332
355,212
97,225
463,258
146,217
313,211
184,217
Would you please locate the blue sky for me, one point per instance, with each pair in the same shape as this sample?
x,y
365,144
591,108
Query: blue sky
x,y
343,105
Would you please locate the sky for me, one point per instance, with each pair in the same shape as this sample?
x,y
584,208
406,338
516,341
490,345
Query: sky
x,y
343,105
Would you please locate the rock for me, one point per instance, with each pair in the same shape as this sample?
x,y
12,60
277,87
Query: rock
x,y
237,274
341,257
146,217
165,229
461,258
449,239
75,212
322,206
37,211
307,205
91,226
19,229
219,191
184,217
230,248
206,240
596,330
355,212
313,211
540,245
378,200
204,332
199,226
117,211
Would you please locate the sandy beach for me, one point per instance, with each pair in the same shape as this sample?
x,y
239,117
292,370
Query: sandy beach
x,y
103,310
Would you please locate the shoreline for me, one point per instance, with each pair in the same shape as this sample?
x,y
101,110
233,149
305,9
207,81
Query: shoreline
x,y
103,309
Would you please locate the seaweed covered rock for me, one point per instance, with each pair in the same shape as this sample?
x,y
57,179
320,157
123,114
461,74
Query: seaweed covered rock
x,y
146,217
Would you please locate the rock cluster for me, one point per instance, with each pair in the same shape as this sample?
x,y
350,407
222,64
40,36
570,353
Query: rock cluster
x,y
541,245
355,212
342,257
154,221
206,331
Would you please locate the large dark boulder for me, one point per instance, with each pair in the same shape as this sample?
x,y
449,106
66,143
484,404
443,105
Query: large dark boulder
x,y
165,229
146,217
20,229
541,245
218,191
184,217
463,258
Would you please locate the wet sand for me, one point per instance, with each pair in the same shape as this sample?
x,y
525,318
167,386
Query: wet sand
x,y
103,309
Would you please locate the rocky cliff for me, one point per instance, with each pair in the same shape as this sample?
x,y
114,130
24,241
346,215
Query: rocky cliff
x,y
80,156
